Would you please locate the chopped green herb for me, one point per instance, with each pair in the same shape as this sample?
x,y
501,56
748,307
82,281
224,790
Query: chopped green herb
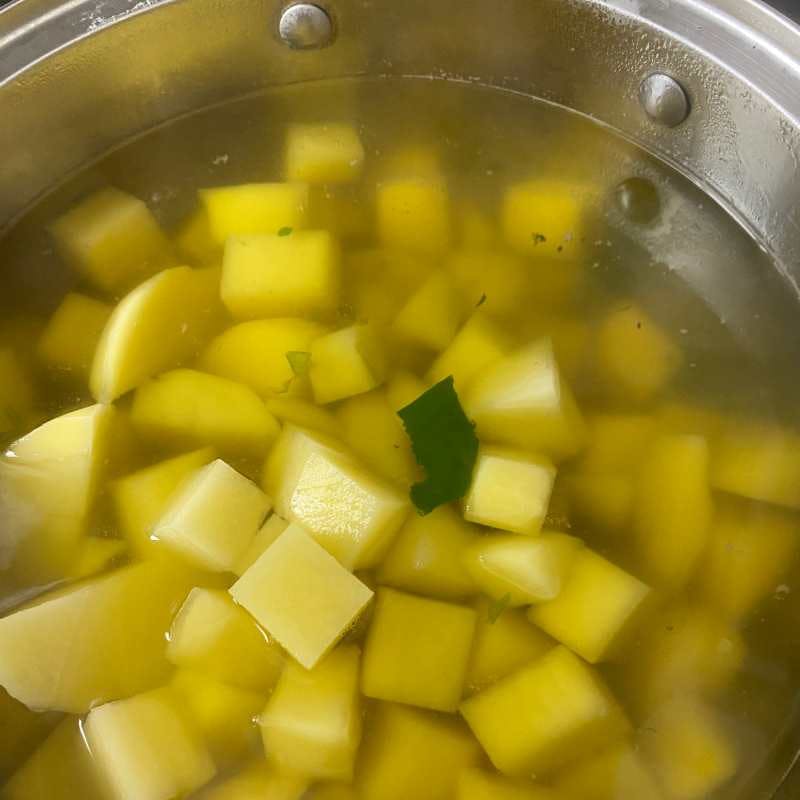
x,y
481,301
285,231
497,607
444,444
299,361
538,238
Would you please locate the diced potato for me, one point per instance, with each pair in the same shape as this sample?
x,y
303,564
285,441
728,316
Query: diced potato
x,y
417,651
195,242
495,280
311,724
145,747
91,642
112,239
521,569
48,482
303,414
476,784
254,353
254,208
683,650
329,152
346,362
159,325
333,791
211,634
275,275
596,609
476,346
70,337
616,442
635,358
213,518
96,554
301,595
404,388
523,401
267,534
427,556
415,160
16,391
673,508
374,431
540,216
414,214
503,643
351,513
690,752
572,338
510,490
257,780
750,549
758,461
613,774
397,737
601,500
222,714
552,712
21,732
431,316
60,768
141,498
185,408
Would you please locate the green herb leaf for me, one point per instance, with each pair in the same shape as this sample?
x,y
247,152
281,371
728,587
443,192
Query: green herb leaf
x,y
299,361
444,443
497,607
285,231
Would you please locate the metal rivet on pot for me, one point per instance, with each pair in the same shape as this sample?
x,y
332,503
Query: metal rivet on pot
x,y
664,99
304,26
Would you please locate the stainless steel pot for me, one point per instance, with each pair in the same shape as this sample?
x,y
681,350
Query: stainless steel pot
x,y
713,88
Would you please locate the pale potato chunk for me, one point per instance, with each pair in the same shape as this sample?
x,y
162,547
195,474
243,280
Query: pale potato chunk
x,y
267,534
327,152
477,784
414,214
257,780
431,316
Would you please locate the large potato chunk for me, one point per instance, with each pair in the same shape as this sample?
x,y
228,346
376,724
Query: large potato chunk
x,y
93,642
328,152
414,214
257,780
476,784
156,327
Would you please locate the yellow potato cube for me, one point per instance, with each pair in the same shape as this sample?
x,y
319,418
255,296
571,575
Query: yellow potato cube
x,y
404,388
194,241
222,714
213,518
112,239
280,275
601,500
544,217
477,345
616,442
635,358
159,325
254,353
522,570
145,747
16,392
21,732
689,750
427,556
758,461
596,610
673,508
61,768
254,208
397,737
346,362
212,635
510,490
49,649
414,214
301,595
522,400
497,281
141,498
328,152
614,773
311,724
476,784
417,651
751,547
503,643
267,534
538,719
257,780
70,337
303,414
431,316
351,513
185,408
373,430
96,554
